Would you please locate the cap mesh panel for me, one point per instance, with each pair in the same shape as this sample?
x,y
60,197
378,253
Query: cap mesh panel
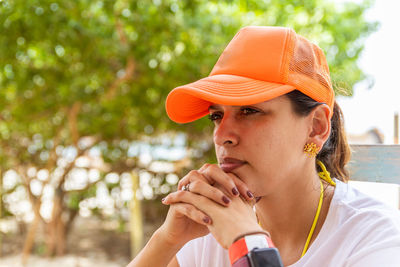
x,y
308,70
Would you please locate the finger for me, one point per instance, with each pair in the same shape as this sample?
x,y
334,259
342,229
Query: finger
x,y
192,176
198,184
198,188
200,202
204,174
193,213
203,188
242,187
174,197
204,166
215,173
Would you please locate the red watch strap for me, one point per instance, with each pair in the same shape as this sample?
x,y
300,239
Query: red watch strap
x,y
242,262
237,250
242,246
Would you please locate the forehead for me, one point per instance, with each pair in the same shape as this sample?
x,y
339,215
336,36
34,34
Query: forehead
x,y
278,102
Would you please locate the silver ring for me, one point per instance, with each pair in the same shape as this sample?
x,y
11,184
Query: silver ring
x,y
186,187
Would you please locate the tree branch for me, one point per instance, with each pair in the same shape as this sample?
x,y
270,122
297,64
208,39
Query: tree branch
x,y
73,122
129,67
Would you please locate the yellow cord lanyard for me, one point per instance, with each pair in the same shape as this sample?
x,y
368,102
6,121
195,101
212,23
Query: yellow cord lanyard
x,y
325,175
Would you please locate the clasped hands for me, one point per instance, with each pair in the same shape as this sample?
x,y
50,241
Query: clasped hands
x,y
211,201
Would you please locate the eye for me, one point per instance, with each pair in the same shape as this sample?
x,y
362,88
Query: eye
x,y
248,110
215,116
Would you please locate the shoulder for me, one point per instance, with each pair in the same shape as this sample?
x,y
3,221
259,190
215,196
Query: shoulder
x,y
371,229
203,251
357,229
349,203
362,218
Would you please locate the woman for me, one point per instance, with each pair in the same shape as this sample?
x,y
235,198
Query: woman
x,y
278,138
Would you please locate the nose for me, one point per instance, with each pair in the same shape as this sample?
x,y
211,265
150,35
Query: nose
x,y
225,133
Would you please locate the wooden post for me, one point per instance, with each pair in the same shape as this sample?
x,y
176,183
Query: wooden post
x,y
396,127
136,222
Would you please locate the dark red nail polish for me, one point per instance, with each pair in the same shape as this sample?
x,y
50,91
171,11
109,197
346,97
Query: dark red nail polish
x,y
162,200
235,191
258,199
249,194
225,200
206,220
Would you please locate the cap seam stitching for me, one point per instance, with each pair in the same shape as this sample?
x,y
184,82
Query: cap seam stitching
x,y
286,57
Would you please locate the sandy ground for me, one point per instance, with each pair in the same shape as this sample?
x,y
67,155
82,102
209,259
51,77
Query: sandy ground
x,y
91,243
67,261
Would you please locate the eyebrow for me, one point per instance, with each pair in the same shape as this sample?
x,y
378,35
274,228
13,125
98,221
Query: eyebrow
x,y
217,106
214,107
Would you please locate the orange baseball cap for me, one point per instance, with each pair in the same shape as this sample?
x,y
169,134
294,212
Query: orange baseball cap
x,y
259,64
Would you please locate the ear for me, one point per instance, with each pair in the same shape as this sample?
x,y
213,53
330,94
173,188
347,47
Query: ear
x,y
320,125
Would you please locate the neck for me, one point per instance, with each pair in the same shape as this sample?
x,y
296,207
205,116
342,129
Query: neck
x,y
288,213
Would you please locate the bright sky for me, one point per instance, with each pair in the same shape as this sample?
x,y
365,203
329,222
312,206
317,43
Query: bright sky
x,y
375,107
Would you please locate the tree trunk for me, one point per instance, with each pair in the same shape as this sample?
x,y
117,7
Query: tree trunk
x,y
72,214
30,237
56,229
61,238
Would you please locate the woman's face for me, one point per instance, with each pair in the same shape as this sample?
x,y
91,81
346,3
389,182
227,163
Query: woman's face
x,y
262,143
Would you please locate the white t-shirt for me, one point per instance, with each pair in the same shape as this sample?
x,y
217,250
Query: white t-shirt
x,y
359,231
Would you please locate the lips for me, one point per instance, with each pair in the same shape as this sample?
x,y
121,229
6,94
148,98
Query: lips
x,y
229,164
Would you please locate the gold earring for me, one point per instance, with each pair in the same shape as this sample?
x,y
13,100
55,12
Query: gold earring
x,y
311,149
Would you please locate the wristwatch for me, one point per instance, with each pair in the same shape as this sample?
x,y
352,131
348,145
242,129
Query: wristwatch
x,y
254,250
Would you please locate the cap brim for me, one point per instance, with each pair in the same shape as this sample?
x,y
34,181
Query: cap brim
x,y
190,102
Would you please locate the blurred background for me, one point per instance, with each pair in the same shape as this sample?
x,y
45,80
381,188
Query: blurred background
x,y
86,148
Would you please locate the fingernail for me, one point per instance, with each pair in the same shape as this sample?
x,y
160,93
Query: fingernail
x,y
235,191
258,199
225,200
162,200
206,220
250,194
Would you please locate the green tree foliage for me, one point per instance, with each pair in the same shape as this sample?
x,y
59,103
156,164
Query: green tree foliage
x,y
85,74
117,60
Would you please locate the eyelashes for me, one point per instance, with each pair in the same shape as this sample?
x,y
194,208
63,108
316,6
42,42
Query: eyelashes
x,y
248,110
244,111
214,116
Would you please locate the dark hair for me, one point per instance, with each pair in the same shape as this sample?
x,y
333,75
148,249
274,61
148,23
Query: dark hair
x,y
335,153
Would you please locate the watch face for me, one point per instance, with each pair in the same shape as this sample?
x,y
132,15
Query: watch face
x,y
265,257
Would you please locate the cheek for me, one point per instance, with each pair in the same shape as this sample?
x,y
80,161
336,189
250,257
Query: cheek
x,y
271,141
275,150
269,149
